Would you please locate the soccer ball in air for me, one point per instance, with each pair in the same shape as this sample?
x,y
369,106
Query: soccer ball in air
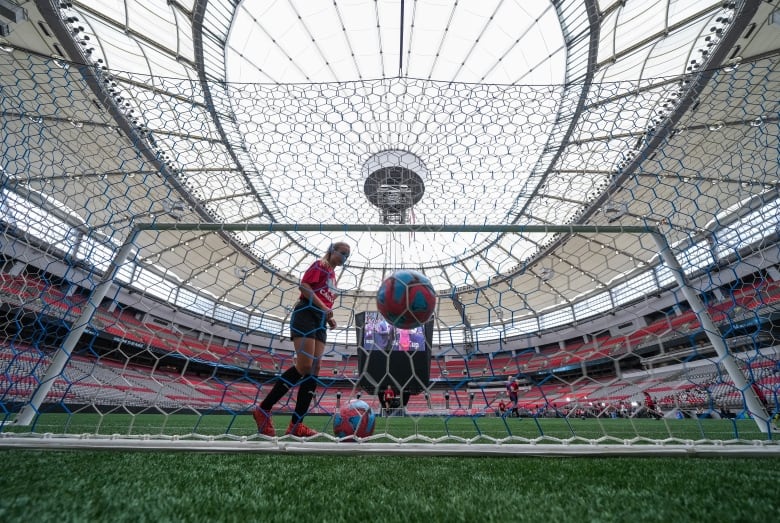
x,y
406,299
354,419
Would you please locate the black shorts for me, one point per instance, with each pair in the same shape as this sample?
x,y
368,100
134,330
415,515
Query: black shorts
x,y
308,321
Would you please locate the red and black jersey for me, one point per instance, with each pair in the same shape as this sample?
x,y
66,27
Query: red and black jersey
x,y
322,279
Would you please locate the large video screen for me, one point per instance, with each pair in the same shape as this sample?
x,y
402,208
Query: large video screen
x,y
400,358
378,334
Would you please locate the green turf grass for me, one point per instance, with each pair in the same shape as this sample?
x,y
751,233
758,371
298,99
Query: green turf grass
x,y
190,486
116,486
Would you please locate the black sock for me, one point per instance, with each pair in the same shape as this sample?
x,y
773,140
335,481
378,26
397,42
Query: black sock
x,y
290,377
305,395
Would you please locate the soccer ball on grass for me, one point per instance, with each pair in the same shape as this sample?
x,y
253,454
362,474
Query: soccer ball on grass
x,y
354,419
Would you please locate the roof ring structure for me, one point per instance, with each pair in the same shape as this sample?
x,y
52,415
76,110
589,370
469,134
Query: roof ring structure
x,y
394,182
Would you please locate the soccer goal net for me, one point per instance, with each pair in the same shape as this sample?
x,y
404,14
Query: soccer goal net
x,y
626,297
176,339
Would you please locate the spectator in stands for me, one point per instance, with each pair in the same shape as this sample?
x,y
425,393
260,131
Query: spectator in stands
x,y
311,316
513,389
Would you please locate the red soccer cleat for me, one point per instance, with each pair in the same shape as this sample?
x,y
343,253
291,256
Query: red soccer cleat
x,y
265,424
300,430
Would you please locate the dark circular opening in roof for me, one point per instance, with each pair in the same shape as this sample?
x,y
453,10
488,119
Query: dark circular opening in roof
x,y
394,190
394,181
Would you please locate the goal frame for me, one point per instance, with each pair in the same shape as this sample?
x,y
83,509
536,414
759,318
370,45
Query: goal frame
x,y
757,411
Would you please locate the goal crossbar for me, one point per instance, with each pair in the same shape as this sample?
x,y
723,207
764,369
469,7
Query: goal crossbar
x,y
397,228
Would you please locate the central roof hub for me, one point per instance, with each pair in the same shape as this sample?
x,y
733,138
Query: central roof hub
x,y
394,182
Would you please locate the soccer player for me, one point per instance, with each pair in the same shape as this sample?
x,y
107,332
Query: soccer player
x,y
311,314
403,339
765,403
417,339
382,335
512,389
760,395
368,332
389,396
650,406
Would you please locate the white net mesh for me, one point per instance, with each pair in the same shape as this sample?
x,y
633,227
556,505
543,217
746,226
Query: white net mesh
x,y
510,198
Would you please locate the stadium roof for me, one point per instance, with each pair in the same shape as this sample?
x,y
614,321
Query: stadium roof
x,y
427,112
